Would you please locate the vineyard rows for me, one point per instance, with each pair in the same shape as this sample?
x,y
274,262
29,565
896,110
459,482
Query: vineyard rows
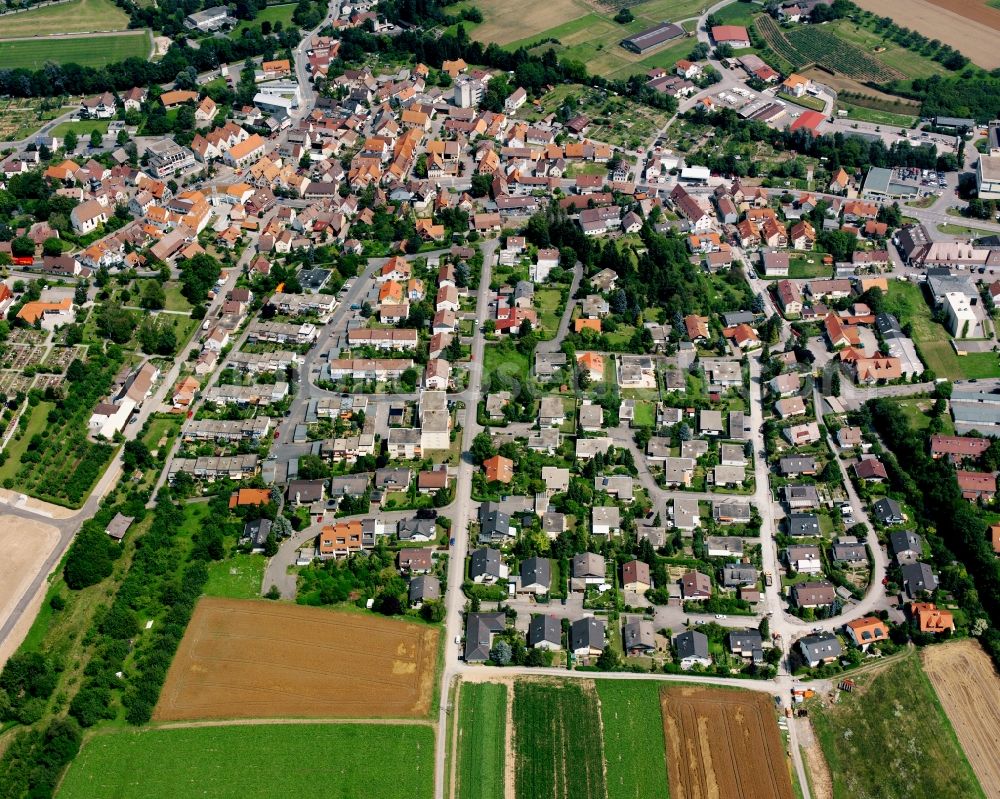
x,y
811,45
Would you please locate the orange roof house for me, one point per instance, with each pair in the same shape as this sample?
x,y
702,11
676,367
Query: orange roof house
x,y
867,631
995,537
839,334
931,619
593,364
177,97
64,171
742,335
454,68
249,496
31,312
184,392
390,292
696,326
499,469
340,539
586,324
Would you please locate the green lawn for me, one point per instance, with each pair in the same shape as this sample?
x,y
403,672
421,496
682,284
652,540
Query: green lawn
x,y
237,577
557,741
633,739
175,300
962,230
877,117
266,761
87,51
82,128
645,414
806,101
482,729
890,738
280,13
502,363
916,412
77,16
549,305
906,301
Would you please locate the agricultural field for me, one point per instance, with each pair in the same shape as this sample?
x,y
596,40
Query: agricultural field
x,y
723,743
481,744
810,44
87,51
969,26
557,740
26,544
260,659
890,738
910,63
968,687
76,16
906,301
298,761
633,739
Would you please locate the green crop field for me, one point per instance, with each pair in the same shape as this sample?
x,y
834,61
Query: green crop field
x,y
245,762
557,741
482,729
76,16
633,739
890,738
87,51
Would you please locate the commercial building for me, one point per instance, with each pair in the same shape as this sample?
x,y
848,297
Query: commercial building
x,y
652,38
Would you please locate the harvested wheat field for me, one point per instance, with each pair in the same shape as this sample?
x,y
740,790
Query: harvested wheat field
x,y
723,745
25,545
968,686
505,22
970,26
262,659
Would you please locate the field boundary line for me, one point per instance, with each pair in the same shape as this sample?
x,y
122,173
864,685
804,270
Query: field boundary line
x,y
188,725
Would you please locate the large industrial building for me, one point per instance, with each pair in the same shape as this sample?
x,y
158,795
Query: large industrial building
x,y
648,40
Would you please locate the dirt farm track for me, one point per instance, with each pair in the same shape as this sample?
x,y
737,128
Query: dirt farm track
x,y
970,26
969,689
260,659
723,745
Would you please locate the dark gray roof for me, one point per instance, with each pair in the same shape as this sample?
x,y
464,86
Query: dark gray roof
x,y
918,577
744,640
691,644
544,628
849,553
589,564
426,586
803,524
494,524
350,484
536,571
797,464
820,646
485,561
887,510
638,634
587,633
737,575
479,628
905,541
408,528
256,532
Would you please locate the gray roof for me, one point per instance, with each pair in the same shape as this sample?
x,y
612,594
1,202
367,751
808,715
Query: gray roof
x,y
638,634
691,644
536,571
486,562
479,628
849,553
797,464
803,524
494,524
587,633
820,646
426,586
905,541
589,564
408,528
733,576
544,629
918,577
743,640
887,509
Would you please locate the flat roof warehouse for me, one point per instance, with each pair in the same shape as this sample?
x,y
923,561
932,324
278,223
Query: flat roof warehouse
x,y
652,37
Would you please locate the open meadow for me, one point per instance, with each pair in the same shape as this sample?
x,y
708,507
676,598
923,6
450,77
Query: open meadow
x,y
481,744
890,738
969,26
723,743
76,16
259,659
260,761
87,51
967,684
557,740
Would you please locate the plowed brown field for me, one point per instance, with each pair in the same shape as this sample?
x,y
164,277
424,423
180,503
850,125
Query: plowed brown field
x,y
970,26
723,745
969,689
260,659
